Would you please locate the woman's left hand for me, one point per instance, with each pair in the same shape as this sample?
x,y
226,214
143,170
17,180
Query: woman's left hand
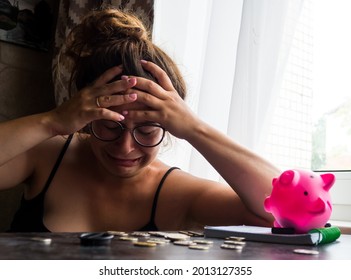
x,y
166,106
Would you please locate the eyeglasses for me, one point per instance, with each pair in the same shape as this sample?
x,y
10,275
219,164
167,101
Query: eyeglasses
x,y
146,135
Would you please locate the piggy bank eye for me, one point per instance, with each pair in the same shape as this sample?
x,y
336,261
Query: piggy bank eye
x,y
305,193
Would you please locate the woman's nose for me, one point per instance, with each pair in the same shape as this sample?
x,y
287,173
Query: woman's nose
x,y
126,142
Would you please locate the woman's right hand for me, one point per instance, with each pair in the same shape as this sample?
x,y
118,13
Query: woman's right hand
x,y
92,103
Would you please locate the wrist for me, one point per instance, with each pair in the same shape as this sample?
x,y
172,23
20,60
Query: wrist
x,y
49,124
197,130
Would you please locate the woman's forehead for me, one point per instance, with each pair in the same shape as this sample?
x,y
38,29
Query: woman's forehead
x,y
136,105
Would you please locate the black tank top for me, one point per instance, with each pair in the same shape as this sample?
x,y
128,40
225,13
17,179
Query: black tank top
x,y
29,217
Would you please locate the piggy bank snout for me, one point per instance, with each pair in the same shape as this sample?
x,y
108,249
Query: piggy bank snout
x,y
317,206
286,177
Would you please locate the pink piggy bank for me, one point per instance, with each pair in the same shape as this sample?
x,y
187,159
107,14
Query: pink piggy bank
x,y
301,200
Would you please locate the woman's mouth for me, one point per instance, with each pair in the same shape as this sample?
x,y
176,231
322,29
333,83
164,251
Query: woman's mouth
x,y
125,162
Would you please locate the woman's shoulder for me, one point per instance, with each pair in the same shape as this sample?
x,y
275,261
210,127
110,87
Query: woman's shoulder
x,y
50,149
56,143
182,180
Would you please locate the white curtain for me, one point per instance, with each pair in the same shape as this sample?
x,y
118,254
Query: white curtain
x,y
263,47
232,54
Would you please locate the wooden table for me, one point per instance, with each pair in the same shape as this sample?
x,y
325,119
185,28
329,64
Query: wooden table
x,y
66,246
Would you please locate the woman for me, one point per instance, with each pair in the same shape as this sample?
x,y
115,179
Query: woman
x,y
91,164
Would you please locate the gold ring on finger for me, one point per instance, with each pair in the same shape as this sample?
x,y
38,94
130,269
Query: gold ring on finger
x,y
97,102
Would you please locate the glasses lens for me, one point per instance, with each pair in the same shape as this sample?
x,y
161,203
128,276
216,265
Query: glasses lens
x,y
149,135
106,130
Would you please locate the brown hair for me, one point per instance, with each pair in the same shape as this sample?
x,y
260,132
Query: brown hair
x,y
111,37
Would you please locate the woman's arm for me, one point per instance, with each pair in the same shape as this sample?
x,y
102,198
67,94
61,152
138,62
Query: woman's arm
x,y
248,174
19,136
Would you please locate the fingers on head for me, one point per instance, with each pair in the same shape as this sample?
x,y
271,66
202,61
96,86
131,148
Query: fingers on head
x,y
159,74
107,114
106,101
108,75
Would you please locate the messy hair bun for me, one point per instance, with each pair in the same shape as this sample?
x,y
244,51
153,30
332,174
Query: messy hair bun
x,y
112,37
100,29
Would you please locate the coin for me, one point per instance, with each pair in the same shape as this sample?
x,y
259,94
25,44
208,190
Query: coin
x,y
306,252
191,233
185,232
199,247
237,238
184,242
203,241
117,233
158,233
234,242
195,233
128,238
176,236
231,247
144,244
158,240
46,241
140,233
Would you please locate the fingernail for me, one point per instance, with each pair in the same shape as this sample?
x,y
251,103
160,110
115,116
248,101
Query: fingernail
x,y
121,118
125,113
143,61
124,77
133,96
131,81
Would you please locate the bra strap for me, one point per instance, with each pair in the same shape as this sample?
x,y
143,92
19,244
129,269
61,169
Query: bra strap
x,y
57,163
154,205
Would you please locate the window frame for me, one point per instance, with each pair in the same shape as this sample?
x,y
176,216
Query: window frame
x,y
340,195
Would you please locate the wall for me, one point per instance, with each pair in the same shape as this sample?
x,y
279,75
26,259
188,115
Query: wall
x,y
25,81
25,88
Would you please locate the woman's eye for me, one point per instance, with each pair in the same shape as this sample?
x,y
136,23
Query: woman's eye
x,y
147,130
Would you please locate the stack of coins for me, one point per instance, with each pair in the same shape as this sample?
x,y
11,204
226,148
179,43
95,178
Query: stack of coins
x,y
236,238
234,243
140,234
199,247
199,244
192,233
117,233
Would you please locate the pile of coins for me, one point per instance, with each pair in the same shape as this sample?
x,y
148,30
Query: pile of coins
x,y
234,243
189,239
154,238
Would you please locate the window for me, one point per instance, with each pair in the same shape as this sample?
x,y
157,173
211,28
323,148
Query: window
x,y
311,127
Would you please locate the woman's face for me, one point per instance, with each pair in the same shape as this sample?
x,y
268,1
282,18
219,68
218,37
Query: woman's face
x,y
124,157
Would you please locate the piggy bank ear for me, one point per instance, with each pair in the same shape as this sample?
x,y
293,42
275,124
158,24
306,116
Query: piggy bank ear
x,y
286,177
328,180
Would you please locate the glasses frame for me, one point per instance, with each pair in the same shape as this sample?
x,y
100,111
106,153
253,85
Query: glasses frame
x,y
131,131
